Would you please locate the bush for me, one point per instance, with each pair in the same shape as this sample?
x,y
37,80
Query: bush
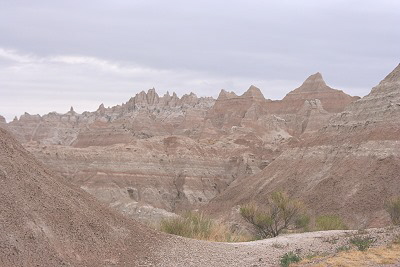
x,y
329,222
362,243
393,208
269,222
288,258
198,226
302,222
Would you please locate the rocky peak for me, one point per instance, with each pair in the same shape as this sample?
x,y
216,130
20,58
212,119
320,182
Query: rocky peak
x,y
382,104
71,111
226,95
189,99
101,109
253,92
152,97
2,119
389,85
394,76
314,83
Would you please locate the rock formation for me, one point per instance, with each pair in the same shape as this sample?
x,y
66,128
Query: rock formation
x,y
3,122
153,156
314,87
348,167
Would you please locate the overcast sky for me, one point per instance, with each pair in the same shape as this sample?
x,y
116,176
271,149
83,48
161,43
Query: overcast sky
x,y
57,54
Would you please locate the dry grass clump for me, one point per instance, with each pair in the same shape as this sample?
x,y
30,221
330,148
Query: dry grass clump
x,y
352,257
198,226
356,258
329,222
393,208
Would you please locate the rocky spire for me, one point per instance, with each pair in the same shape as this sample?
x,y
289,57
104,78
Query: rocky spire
x,y
314,83
226,95
152,97
394,76
391,84
253,92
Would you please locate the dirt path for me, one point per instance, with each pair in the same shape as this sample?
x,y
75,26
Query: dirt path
x,y
186,252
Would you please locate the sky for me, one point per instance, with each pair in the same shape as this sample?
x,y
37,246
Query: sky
x,y
58,54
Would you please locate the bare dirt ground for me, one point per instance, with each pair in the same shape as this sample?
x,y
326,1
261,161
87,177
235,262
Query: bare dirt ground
x,y
186,252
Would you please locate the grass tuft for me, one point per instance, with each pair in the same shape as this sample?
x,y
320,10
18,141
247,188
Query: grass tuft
x,y
330,222
198,226
362,243
288,258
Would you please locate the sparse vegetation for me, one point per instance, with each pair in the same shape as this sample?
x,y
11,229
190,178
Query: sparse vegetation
x,y
198,226
343,248
331,240
396,240
270,221
330,222
393,208
288,258
316,255
354,258
362,243
278,245
302,222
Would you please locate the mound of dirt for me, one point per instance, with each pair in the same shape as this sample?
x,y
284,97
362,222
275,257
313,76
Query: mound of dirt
x,y
46,222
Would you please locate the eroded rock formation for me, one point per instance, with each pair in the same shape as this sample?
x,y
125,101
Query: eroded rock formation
x,y
348,167
153,156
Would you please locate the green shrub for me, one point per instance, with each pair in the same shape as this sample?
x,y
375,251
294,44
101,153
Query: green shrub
x,y
288,258
393,208
362,243
329,222
302,222
198,226
271,220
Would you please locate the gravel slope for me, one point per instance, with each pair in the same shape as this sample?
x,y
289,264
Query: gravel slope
x,y
186,252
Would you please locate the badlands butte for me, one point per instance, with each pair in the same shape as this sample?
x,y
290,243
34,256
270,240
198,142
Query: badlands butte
x,y
156,156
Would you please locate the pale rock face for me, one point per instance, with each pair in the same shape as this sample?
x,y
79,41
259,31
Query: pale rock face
x,y
154,156
3,123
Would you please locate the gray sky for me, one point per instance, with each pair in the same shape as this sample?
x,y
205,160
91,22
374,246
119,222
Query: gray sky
x,y
54,54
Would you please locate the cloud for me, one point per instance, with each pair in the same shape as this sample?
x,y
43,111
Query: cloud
x,y
61,53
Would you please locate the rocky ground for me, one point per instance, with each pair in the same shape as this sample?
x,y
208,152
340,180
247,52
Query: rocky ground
x,y
185,252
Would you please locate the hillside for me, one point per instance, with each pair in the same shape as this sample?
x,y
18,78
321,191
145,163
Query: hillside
x,y
348,167
47,222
